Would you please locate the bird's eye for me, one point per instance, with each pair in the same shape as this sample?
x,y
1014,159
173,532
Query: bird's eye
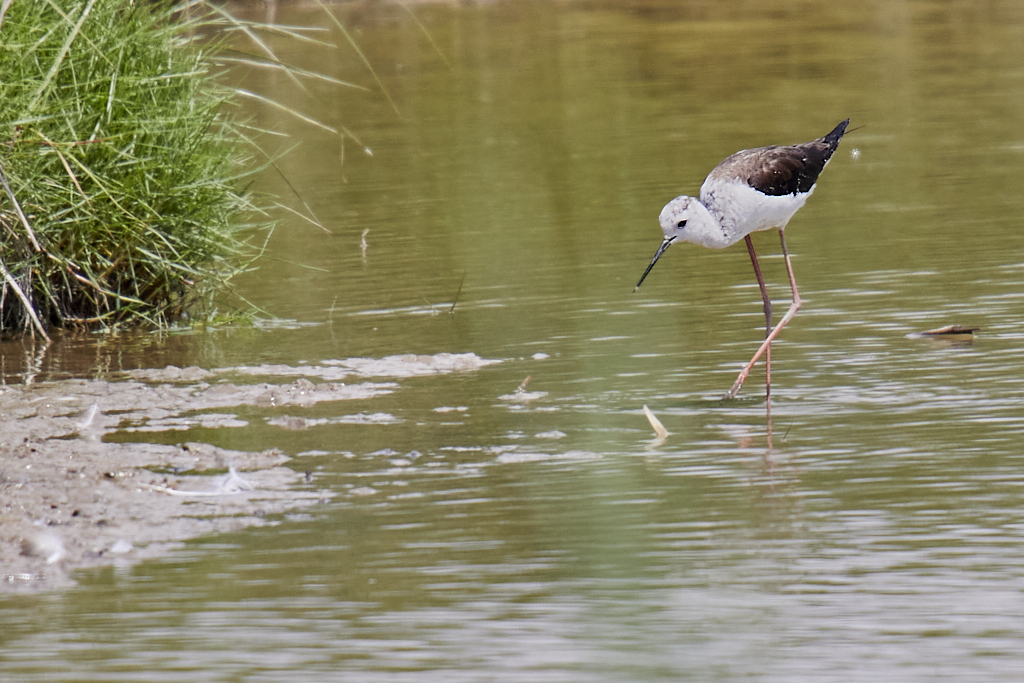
x,y
681,224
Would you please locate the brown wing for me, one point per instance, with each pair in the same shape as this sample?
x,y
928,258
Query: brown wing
x,y
785,170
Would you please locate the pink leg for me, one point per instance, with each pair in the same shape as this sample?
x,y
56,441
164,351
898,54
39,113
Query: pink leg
x,y
767,317
793,308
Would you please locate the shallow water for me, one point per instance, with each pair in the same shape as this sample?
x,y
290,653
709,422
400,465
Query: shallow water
x,y
482,534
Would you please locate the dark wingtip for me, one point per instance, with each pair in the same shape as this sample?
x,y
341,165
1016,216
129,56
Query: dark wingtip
x,y
833,138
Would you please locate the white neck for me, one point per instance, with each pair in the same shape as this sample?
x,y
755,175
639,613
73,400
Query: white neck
x,y
706,229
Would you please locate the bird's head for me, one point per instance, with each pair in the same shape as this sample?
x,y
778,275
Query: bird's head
x,y
679,214
678,221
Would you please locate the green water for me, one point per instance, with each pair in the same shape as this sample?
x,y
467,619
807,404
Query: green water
x,y
880,538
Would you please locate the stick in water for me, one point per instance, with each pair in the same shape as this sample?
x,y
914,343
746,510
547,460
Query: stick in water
x,y
458,293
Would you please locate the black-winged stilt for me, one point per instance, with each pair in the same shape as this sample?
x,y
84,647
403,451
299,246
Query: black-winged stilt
x,y
754,189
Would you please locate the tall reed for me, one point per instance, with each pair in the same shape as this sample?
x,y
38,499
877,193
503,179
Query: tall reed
x,y
124,168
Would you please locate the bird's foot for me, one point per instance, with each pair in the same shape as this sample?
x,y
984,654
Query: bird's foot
x,y
734,391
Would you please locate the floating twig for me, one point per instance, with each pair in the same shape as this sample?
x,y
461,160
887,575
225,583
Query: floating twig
x,y
951,329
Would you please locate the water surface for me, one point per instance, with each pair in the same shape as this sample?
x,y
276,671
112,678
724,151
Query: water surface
x,y
484,535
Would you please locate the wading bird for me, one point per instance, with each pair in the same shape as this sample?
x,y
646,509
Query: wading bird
x,y
754,189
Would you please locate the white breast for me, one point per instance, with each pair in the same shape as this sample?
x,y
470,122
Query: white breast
x,y
741,210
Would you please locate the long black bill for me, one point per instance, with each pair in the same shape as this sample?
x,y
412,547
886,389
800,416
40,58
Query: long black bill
x,y
661,250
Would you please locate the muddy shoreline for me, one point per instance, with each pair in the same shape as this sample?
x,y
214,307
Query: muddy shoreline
x,y
69,500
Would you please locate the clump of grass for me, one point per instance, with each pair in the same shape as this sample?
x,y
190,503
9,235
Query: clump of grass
x,y
123,171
